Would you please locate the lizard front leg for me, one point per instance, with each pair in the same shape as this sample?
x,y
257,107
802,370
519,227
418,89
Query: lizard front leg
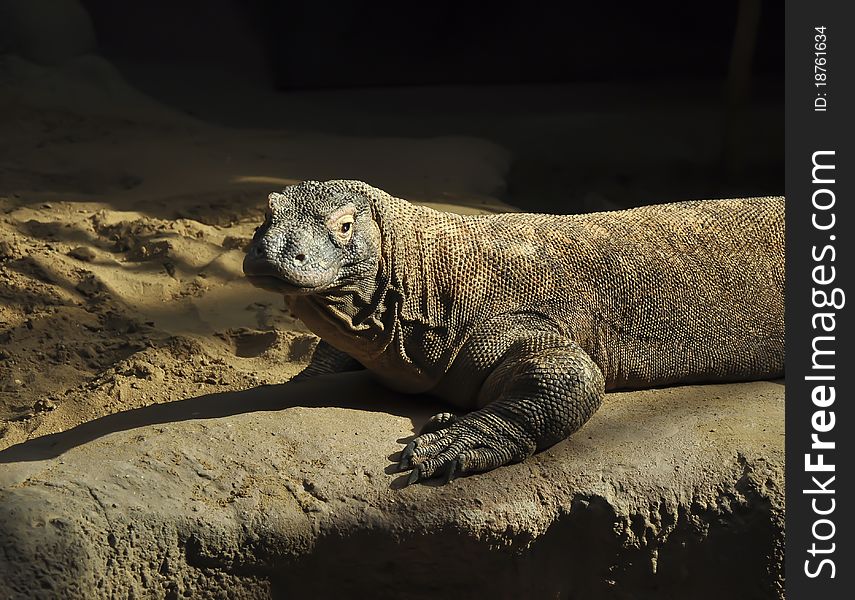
x,y
541,390
326,360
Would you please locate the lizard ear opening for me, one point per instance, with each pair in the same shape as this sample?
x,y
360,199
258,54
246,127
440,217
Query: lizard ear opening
x,y
273,197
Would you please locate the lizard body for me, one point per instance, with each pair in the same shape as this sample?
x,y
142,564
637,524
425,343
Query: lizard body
x,y
524,319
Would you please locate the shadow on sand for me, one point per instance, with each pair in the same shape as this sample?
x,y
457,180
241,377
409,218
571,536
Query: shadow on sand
x,y
347,390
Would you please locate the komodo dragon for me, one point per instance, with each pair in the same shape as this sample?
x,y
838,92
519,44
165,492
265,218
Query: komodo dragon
x,y
524,319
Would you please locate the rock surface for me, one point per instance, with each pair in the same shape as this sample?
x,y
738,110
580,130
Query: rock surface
x,y
290,490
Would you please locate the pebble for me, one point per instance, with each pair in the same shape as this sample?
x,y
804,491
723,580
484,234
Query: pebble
x,y
82,253
44,405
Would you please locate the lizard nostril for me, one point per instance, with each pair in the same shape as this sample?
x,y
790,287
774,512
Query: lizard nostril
x,y
300,257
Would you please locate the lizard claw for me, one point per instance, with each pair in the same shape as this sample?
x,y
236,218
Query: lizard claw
x,y
439,422
453,467
464,447
415,475
406,461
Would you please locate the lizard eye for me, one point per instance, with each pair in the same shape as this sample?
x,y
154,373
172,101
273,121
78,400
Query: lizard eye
x,y
343,228
340,224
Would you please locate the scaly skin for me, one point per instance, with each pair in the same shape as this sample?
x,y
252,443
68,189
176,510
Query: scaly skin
x,y
524,319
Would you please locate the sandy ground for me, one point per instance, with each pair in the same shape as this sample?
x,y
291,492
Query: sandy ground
x,y
122,225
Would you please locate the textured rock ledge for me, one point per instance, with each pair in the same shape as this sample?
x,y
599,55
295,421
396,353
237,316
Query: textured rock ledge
x,y
290,490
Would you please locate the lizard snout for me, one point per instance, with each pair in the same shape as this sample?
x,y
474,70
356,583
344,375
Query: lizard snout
x,y
256,263
295,261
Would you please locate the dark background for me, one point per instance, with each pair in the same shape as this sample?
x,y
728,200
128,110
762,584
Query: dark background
x,y
309,45
599,104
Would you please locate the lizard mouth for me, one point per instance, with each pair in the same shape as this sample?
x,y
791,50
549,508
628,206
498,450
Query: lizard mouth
x,y
297,276
275,284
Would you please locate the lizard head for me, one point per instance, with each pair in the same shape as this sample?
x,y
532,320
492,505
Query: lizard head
x,y
316,236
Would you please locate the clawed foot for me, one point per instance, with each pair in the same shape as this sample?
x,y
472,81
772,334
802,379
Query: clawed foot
x,y
439,421
463,445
